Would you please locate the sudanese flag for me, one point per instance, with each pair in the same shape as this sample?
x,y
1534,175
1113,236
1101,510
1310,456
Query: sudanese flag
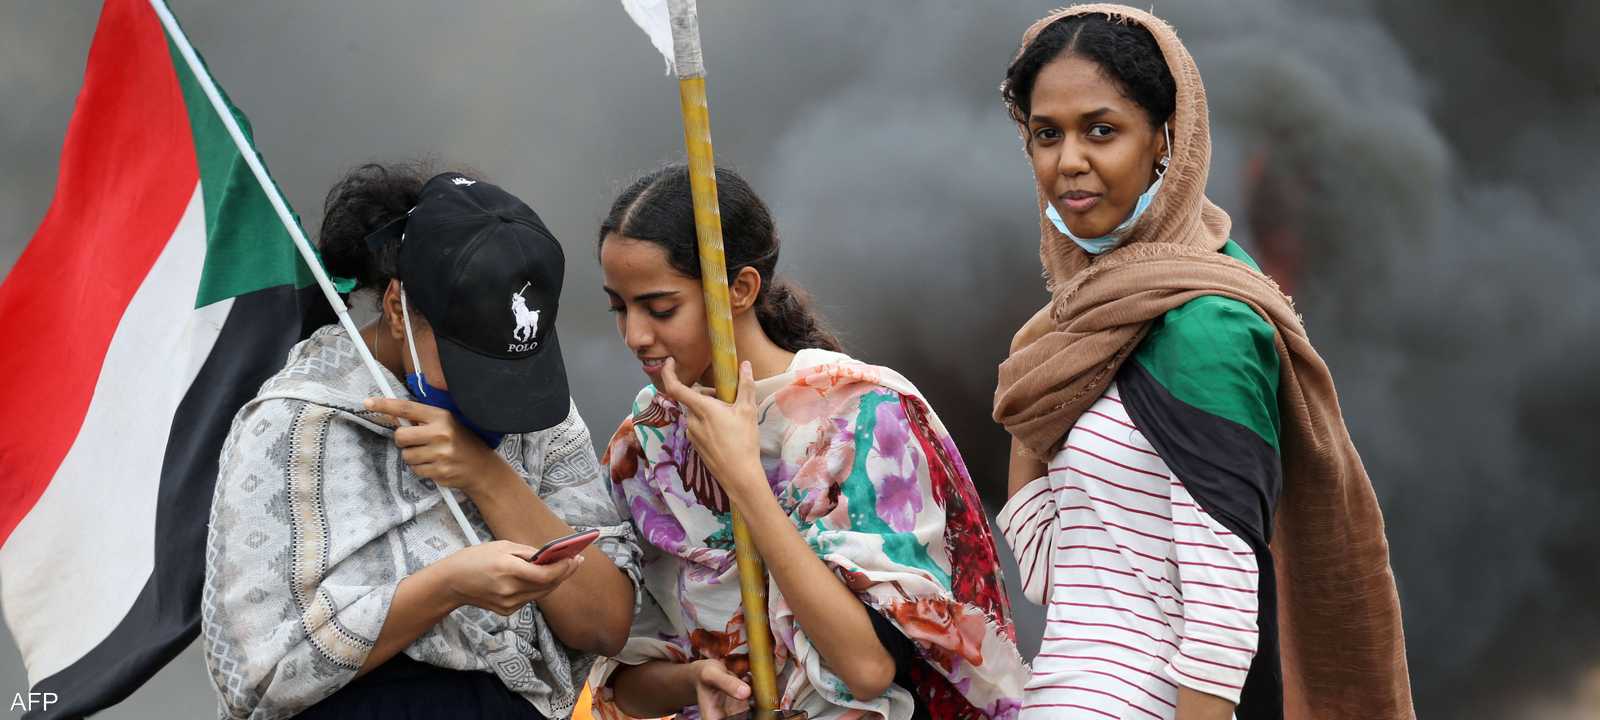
x,y
159,292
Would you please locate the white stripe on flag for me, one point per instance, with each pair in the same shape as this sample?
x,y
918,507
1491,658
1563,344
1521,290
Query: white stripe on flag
x,y
77,561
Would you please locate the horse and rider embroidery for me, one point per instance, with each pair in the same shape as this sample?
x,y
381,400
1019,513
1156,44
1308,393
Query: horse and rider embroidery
x,y
527,322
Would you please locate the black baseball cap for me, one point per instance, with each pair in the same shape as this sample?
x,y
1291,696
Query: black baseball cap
x,y
485,271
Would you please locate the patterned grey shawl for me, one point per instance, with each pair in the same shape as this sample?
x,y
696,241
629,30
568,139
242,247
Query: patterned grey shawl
x,y
316,519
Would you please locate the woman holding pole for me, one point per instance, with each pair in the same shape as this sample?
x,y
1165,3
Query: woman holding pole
x,y
1182,484
885,593
338,584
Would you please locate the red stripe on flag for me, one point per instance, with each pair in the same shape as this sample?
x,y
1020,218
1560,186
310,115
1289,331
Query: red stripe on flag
x,y
127,173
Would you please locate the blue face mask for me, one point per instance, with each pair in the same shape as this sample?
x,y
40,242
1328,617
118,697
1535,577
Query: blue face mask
x,y
427,394
1099,245
430,395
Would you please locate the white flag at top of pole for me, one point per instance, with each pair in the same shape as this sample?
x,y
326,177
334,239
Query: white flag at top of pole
x,y
655,19
674,28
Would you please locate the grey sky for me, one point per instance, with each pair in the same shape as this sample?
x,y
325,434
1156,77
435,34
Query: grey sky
x,y
1433,162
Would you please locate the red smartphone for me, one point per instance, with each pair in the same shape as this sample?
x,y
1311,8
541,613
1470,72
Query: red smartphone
x,y
564,547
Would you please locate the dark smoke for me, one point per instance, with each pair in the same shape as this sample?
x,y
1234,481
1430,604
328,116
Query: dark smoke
x,y
1444,161
1427,168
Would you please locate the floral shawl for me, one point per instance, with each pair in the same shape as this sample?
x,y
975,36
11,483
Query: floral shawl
x,y
874,483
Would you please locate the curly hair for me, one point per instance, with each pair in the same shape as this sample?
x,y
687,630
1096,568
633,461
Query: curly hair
x,y
365,199
1126,52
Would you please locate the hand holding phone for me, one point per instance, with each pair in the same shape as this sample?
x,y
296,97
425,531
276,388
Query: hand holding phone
x,y
478,575
564,547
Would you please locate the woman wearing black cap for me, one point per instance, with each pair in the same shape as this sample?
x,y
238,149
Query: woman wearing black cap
x,y
338,583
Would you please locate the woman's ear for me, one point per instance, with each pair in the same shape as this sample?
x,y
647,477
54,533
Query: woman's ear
x,y
390,307
744,289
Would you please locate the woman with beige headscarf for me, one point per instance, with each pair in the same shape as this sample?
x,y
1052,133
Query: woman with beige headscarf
x,y
1185,498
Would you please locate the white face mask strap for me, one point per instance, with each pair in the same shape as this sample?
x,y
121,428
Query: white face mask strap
x,y
1166,129
411,344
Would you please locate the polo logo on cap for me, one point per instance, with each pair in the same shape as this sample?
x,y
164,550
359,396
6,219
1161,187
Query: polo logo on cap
x,y
527,322
463,181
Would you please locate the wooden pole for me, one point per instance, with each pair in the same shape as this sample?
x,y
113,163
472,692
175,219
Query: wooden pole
x,y
719,319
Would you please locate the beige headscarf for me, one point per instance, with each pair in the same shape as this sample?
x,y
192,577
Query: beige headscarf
x,y
1342,647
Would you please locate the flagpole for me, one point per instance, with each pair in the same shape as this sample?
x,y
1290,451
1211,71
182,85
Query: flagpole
x,y
719,316
248,152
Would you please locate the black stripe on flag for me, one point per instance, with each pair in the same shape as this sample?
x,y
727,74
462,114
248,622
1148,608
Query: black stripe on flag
x,y
1237,478
254,342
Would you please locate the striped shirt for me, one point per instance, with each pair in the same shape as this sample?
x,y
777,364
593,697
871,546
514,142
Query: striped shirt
x,y
1144,591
